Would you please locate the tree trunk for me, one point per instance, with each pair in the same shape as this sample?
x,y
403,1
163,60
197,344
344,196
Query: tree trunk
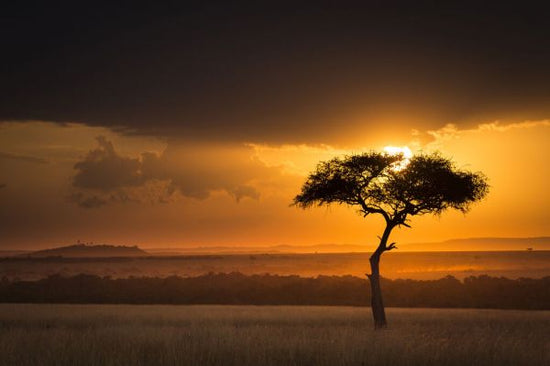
x,y
377,304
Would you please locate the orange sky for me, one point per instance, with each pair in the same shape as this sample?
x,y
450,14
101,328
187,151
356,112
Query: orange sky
x,y
60,184
196,124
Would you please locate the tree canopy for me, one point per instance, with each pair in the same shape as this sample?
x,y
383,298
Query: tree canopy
x,y
389,185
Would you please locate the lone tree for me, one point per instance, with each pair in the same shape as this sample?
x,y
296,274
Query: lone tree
x,y
395,188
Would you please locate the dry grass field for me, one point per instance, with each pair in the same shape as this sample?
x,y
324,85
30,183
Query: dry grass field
x,y
248,335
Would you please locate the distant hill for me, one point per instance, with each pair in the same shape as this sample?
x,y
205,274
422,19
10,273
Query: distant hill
x,y
12,253
469,244
85,250
275,249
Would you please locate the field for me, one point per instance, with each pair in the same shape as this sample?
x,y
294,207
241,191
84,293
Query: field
x,y
270,335
411,265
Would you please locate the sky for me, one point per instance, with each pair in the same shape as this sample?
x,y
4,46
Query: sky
x,y
196,124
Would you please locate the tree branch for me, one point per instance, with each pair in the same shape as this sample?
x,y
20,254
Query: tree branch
x,y
368,209
401,217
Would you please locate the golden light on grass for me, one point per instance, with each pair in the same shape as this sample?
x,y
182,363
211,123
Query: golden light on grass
x,y
266,335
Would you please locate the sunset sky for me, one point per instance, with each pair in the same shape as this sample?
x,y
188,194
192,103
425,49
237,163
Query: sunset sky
x,y
196,125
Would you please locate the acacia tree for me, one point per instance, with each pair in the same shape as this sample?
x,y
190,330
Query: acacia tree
x,y
395,188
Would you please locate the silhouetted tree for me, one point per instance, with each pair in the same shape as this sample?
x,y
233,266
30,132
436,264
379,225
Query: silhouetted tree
x,y
395,188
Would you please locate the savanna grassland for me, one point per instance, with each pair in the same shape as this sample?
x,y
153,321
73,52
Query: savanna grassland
x,y
410,265
268,335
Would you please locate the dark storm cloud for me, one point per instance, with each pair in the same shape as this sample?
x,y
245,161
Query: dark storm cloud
x,y
273,72
104,169
197,171
104,176
87,200
23,158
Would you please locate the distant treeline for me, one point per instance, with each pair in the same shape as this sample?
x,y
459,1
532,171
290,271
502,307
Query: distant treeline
x,y
236,288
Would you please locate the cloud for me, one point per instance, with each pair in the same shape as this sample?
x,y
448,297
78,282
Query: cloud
x,y
197,171
104,176
23,158
104,169
278,76
87,201
452,131
243,191
497,126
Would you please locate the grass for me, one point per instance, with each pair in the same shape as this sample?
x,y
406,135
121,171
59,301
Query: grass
x,y
248,335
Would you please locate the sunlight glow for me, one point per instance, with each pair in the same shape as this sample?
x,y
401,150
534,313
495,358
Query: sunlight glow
x,y
396,150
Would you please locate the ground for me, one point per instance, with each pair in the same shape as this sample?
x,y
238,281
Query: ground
x,y
268,335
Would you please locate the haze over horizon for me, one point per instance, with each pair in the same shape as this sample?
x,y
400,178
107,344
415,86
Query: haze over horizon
x,y
195,125
481,244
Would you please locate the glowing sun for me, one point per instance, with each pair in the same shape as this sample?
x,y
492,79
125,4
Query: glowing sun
x,y
399,150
